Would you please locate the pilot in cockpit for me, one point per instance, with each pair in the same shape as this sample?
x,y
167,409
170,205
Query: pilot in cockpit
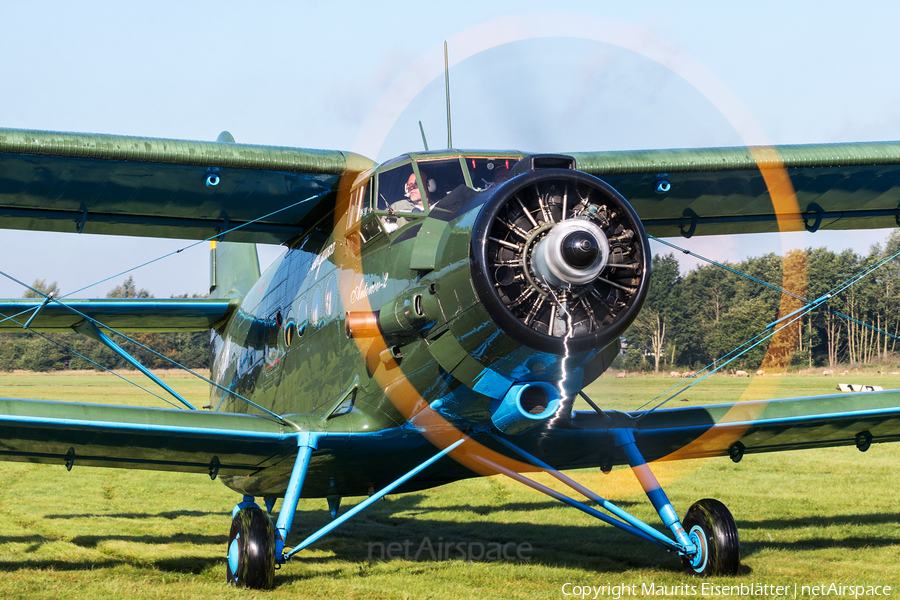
x,y
412,200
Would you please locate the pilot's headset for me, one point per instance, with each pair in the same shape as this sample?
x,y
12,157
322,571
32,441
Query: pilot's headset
x,y
430,184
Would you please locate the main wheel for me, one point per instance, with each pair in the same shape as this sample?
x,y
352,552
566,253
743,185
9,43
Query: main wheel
x,y
711,528
251,550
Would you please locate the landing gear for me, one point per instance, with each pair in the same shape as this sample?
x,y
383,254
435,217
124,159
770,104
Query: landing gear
x,y
251,549
707,539
711,528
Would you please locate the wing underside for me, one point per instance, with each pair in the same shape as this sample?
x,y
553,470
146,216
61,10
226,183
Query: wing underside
x,y
241,444
89,183
730,190
139,438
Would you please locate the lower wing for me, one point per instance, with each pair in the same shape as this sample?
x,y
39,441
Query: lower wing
x,y
242,445
858,419
122,314
139,438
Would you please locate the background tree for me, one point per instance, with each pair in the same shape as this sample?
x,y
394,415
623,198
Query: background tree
x,y
787,338
42,286
651,325
128,289
688,320
56,351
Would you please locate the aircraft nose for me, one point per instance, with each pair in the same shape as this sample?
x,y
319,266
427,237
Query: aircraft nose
x,y
559,260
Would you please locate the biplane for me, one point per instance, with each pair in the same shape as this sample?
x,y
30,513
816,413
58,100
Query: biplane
x,y
433,318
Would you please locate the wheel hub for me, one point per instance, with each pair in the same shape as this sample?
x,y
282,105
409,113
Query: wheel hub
x,y
698,538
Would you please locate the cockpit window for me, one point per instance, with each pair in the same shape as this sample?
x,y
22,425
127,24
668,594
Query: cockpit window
x,y
405,188
488,172
440,177
392,189
360,203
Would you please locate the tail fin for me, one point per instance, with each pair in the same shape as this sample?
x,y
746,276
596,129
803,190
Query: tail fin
x,y
233,266
233,269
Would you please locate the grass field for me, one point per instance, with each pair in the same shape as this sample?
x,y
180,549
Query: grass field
x,y
805,518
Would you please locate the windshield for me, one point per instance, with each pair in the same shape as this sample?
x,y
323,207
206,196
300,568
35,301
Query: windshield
x,y
411,188
440,177
488,172
393,186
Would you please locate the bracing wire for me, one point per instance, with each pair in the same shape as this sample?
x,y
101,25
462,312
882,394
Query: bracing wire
x,y
151,350
770,329
189,246
727,359
159,258
78,354
775,287
133,341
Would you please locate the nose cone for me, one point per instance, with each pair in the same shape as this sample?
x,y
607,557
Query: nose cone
x,y
580,249
572,254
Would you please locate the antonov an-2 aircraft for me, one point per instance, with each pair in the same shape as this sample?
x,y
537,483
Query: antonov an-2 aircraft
x,y
434,318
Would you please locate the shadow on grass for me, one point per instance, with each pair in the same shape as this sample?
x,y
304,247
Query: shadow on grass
x,y
171,515
590,547
191,565
820,543
566,546
92,541
822,521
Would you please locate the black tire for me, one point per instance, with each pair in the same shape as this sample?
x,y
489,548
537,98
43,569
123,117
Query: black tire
x,y
251,550
720,549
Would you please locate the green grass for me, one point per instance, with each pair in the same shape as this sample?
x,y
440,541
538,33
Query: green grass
x,y
805,517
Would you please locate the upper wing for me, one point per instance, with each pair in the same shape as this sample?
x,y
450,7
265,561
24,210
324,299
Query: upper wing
x,y
158,188
724,190
90,183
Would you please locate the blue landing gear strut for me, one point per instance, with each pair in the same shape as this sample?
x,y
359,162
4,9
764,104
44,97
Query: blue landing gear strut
x,y
248,552
364,504
255,548
707,540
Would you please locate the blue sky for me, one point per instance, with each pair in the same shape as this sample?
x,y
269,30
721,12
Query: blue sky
x,y
599,76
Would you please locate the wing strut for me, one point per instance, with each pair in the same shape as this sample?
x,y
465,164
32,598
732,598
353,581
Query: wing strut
x,y
92,331
691,539
625,521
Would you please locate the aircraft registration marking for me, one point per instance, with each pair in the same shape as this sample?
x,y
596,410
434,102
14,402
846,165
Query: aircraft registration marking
x,y
363,291
322,257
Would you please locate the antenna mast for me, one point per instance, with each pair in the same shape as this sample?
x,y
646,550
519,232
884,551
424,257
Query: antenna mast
x,y
447,81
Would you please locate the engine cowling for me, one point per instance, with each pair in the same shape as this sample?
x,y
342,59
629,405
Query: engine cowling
x,y
560,260
530,281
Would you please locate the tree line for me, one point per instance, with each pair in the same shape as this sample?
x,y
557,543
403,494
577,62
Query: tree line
x,y
694,319
688,321
61,351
